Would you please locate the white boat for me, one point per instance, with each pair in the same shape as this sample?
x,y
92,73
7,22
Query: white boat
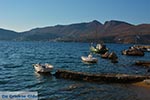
x,y
100,49
43,68
89,59
148,49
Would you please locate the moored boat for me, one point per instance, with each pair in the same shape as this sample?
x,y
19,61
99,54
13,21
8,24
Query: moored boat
x,y
93,49
100,48
148,50
43,68
89,59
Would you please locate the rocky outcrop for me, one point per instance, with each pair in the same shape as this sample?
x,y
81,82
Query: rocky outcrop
x,y
145,83
133,52
113,78
144,48
112,56
143,63
105,55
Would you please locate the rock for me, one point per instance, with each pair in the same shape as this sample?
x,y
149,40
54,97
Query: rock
x,y
147,81
105,56
113,78
143,63
112,56
144,48
133,52
148,70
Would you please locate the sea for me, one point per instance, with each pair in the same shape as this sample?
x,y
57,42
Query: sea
x,y
17,72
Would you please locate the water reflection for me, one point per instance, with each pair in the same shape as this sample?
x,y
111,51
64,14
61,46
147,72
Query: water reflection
x,y
41,76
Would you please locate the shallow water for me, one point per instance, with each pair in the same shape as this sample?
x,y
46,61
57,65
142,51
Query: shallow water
x,y
17,73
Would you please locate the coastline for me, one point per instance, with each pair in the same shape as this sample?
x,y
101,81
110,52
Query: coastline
x,y
142,84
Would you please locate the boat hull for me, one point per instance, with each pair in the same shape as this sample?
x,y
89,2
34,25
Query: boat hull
x,y
101,51
89,60
42,68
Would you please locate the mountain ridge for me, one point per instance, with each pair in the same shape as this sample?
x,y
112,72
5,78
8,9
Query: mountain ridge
x,y
111,31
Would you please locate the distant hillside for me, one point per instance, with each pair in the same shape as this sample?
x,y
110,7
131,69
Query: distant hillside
x,y
8,35
110,31
73,32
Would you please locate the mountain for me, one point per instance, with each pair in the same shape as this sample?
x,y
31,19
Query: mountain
x,y
111,31
137,34
8,35
73,32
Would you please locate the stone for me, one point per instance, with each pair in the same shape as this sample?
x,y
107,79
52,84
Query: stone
x,y
110,78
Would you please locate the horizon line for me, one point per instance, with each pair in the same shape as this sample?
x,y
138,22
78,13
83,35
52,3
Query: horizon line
x,y
44,26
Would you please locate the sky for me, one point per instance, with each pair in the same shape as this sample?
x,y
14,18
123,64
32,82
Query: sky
x,y
23,15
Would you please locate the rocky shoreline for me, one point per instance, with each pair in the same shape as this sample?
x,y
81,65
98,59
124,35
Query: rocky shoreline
x,y
110,78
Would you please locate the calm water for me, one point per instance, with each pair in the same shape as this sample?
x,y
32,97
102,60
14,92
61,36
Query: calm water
x,y
17,73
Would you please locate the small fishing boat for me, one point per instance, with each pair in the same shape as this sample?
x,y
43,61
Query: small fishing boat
x,y
100,48
89,59
43,68
148,49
